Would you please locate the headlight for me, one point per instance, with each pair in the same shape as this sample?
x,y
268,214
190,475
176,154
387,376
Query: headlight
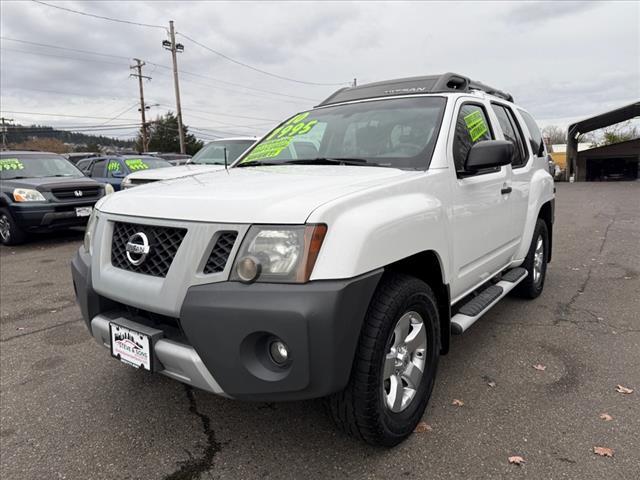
x,y
108,189
280,254
27,195
89,230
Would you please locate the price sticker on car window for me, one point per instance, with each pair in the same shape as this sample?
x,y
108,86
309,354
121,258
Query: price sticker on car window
x,y
281,137
136,164
113,166
476,125
11,164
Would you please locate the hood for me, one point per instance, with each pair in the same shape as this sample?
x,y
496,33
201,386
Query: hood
x,y
173,172
45,184
284,194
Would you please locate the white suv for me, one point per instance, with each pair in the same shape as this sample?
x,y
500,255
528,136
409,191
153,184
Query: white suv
x,y
337,255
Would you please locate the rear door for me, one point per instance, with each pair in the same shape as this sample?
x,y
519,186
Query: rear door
x,y
480,217
116,171
522,163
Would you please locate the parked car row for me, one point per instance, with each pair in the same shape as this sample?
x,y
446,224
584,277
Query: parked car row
x,y
44,191
41,192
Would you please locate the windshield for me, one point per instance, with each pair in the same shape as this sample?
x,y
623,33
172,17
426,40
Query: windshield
x,y
141,163
399,133
213,153
36,165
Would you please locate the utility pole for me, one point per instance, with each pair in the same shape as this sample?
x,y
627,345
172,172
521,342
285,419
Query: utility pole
x,y
4,131
138,66
175,48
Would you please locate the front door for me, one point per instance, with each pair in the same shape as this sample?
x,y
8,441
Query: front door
x,y
481,212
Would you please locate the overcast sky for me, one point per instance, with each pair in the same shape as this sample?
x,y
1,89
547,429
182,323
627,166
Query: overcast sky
x,y
561,60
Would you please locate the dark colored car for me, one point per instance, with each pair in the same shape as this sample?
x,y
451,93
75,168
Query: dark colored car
x,y
113,169
41,192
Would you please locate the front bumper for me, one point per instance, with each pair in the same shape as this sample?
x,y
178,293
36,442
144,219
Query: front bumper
x,y
220,341
41,216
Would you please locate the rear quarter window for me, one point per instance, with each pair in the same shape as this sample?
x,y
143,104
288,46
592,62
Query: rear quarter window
x,y
535,138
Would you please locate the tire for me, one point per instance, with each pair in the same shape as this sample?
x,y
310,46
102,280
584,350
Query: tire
x,y
532,286
363,409
10,232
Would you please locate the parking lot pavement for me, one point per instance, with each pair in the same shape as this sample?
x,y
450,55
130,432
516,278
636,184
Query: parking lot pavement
x,y
70,411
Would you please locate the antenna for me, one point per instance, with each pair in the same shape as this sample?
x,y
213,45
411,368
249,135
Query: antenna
x,y
225,160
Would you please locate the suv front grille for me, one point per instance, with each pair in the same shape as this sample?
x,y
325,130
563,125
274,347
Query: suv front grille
x,y
220,252
163,241
72,192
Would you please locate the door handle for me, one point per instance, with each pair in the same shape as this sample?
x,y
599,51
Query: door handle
x,y
506,190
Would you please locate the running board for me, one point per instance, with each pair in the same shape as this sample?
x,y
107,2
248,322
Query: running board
x,y
487,298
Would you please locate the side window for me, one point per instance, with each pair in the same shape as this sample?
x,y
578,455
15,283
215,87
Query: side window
x,y
536,136
512,134
98,168
472,127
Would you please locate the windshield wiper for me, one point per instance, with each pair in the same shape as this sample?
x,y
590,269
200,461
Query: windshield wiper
x,y
328,161
256,163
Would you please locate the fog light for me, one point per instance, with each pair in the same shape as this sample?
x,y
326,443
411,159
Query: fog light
x,y
248,269
279,352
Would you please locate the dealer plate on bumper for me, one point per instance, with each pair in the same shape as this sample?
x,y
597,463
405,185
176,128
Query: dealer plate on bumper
x,y
83,211
130,347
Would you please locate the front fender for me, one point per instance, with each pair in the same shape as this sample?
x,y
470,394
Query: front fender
x,y
372,229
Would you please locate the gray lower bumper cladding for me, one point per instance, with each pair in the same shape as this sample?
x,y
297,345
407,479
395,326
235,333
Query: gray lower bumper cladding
x,y
227,327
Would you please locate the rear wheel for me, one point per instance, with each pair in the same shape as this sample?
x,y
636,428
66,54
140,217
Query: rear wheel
x,y
395,364
10,232
535,263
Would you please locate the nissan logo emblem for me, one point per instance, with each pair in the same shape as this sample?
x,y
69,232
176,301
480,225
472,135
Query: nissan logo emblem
x,y
77,193
137,248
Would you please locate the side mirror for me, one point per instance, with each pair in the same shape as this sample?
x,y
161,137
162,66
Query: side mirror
x,y
488,154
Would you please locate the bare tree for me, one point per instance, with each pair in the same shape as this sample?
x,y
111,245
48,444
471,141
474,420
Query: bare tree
x,y
554,135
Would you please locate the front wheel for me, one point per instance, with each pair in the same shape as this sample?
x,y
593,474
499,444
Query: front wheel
x,y
395,364
10,232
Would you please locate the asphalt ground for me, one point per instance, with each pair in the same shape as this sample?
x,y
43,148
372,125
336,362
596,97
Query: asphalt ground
x,y
68,410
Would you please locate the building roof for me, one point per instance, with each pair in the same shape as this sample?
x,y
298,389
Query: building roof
x,y
605,119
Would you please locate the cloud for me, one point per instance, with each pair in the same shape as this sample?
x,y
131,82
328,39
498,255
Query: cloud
x,y
545,53
544,11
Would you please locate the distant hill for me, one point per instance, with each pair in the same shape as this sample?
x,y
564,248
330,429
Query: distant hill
x,y
21,133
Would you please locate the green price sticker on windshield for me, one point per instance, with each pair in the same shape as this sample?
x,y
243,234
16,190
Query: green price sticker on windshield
x,y
476,125
11,164
136,164
113,166
281,137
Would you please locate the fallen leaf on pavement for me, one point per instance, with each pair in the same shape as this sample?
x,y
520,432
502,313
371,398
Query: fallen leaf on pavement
x,y
423,427
603,451
516,460
492,384
540,367
606,417
625,390
457,403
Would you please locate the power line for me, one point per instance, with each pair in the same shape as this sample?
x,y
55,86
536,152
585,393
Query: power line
x,y
158,65
55,47
225,114
58,115
264,72
61,56
101,17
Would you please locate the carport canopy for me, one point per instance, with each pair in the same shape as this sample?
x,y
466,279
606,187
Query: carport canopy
x,y
594,123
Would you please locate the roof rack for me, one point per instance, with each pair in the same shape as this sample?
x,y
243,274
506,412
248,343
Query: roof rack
x,y
447,82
